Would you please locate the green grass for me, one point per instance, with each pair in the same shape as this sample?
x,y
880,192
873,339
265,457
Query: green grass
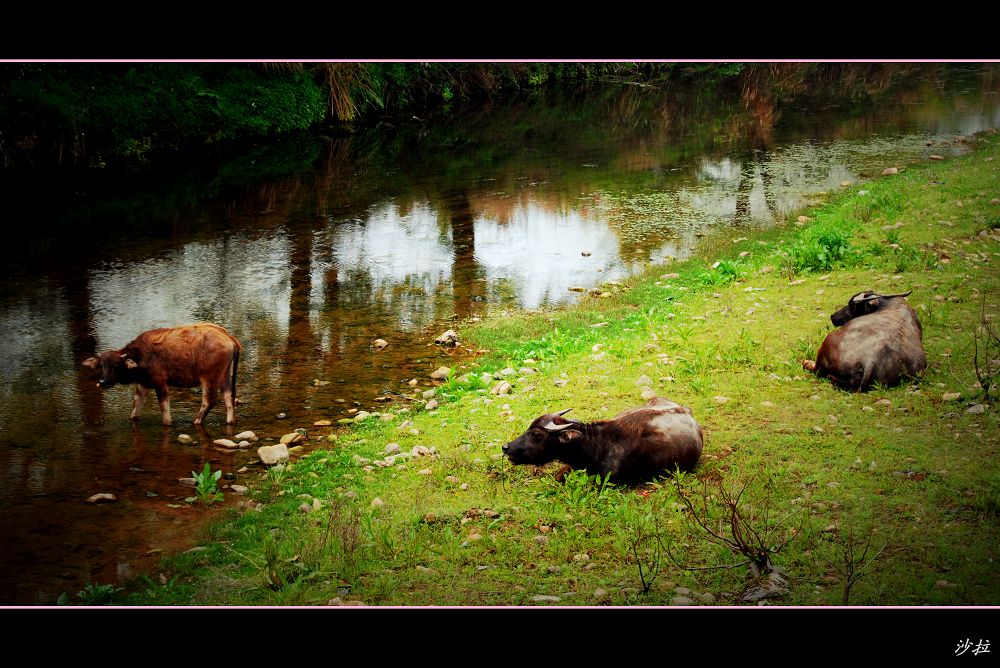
x,y
913,476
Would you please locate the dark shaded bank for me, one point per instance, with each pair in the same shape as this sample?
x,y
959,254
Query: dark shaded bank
x,y
99,114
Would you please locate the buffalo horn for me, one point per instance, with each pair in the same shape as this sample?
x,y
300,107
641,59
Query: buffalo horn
x,y
552,426
901,294
567,410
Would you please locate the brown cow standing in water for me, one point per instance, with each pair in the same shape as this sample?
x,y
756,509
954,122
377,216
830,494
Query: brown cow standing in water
x,y
200,354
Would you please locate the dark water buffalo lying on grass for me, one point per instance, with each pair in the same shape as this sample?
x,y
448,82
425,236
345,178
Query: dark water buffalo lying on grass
x,y
879,341
201,354
637,445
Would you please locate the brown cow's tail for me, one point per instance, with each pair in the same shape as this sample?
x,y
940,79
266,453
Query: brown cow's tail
x,y
236,362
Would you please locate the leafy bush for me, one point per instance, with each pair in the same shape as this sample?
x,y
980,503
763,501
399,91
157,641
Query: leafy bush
x,y
822,248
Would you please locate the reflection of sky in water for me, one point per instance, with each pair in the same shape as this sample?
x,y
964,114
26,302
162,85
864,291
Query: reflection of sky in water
x,y
220,281
393,260
540,251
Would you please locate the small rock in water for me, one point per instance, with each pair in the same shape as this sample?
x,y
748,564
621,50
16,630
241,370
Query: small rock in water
x,y
245,436
322,423
188,482
225,443
379,344
103,496
449,338
239,489
361,416
273,454
441,373
287,439
185,439
281,416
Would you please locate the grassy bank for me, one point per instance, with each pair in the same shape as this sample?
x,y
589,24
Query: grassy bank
x,y
883,498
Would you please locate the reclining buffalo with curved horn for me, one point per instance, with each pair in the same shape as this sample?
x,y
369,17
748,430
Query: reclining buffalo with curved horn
x,y
636,445
879,341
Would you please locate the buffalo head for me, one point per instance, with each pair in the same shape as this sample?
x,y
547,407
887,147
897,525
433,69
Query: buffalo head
x,y
863,303
540,443
114,365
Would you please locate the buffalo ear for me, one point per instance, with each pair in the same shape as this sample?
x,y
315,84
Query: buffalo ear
x,y
91,362
568,435
130,364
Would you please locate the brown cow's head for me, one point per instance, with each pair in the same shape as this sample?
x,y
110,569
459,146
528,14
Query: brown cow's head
x,y
863,303
114,365
542,442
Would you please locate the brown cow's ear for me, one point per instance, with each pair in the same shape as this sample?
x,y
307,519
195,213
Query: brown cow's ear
x,y
130,364
568,435
91,362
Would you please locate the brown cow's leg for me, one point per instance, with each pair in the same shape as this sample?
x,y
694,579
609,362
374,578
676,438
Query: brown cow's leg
x,y
163,396
208,400
140,396
227,396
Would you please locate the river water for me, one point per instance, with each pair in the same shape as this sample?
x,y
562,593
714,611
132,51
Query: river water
x,y
310,248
